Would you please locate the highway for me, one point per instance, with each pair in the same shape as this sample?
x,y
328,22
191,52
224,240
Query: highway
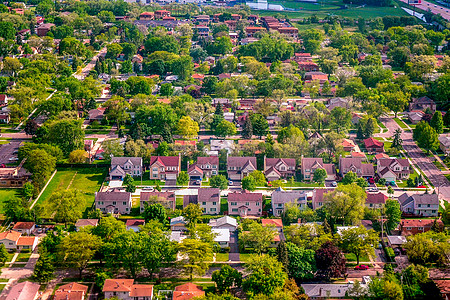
x,y
434,8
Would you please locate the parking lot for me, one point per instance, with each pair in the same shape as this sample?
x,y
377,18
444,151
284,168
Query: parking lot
x,y
8,152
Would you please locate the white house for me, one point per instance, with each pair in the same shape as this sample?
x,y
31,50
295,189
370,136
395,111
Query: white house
x,y
225,222
222,236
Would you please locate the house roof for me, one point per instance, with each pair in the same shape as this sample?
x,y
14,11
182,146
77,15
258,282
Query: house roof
x,y
443,286
419,222
26,241
272,162
326,290
141,290
234,161
389,162
381,156
396,239
118,285
223,234
275,222
187,291
355,154
445,140
208,194
373,143
318,194
71,291
244,196
135,222
223,221
432,199
177,220
10,235
168,161
86,222
347,143
24,225
23,291
112,196
203,160
281,196
122,160
167,195
376,198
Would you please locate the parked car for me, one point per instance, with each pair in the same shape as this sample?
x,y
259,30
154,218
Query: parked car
x,y
371,180
373,189
230,182
361,267
334,183
198,182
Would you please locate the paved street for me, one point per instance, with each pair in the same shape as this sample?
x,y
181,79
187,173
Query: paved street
x,y
7,151
434,8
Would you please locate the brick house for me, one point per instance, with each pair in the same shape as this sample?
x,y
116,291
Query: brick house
x,y
425,205
165,167
166,198
414,226
14,176
113,202
245,204
207,198
393,169
376,200
281,197
120,166
310,164
205,167
276,168
373,145
347,164
239,167
125,289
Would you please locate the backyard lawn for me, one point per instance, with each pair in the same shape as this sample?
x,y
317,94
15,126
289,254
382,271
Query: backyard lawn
x,y
6,194
86,180
352,258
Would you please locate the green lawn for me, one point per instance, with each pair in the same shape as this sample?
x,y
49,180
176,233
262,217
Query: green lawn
x,y
147,181
412,176
245,257
86,180
352,258
400,123
222,256
23,257
302,184
6,194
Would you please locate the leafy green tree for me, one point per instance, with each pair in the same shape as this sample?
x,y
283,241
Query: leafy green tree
x,y
302,263
358,241
28,190
67,205
282,255
349,178
125,251
257,236
265,275
183,178
218,181
198,255
346,203
217,117
385,288
425,136
225,128
319,175
192,213
7,30
259,124
41,164
108,227
113,50
428,247
116,110
437,122
226,277
77,249
305,237
396,101
397,140
44,268
67,134
248,183
247,130
156,212
340,119
187,127
393,214
166,90
3,255
330,262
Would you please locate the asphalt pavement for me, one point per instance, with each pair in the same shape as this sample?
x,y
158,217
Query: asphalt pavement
x,y
7,152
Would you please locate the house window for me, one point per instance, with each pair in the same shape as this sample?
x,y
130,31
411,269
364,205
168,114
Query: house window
x,y
247,203
155,169
257,203
307,170
114,202
203,203
249,209
420,228
433,211
233,203
307,176
124,203
371,205
279,204
214,203
408,228
234,210
212,209
155,175
428,205
419,205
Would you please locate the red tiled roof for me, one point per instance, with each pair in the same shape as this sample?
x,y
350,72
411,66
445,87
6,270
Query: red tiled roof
x,y
23,225
26,241
135,222
419,222
187,291
118,285
276,222
10,235
165,160
371,142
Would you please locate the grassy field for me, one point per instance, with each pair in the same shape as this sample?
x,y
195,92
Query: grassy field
x,y
86,180
333,7
6,194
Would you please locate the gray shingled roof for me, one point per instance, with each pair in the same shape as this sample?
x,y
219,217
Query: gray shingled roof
x,y
122,160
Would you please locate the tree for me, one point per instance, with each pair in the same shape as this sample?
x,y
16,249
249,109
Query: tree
x,y
428,247
397,140
41,164
166,89
330,262
198,253
111,148
225,128
226,277
259,124
3,255
116,110
358,241
125,251
77,157
319,175
113,50
248,183
77,249
385,288
67,205
265,275
187,127
7,30
396,101
282,255
257,236
31,127
346,203
155,211
67,134
183,178
349,178
393,214
28,190
108,227
437,122
247,130
307,236
340,118
302,263
218,181
44,268
192,213
425,136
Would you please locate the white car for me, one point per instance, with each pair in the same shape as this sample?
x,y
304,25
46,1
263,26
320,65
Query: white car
x,y
230,182
13,159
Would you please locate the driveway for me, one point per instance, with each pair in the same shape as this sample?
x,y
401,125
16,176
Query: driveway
x,y
234,247
7,151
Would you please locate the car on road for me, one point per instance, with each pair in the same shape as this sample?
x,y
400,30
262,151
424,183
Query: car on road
x,y
148,189
13,159
373,189
362,267
334,183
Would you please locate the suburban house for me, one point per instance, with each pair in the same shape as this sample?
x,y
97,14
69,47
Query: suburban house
x,y
422,103
239,167
444,288
134,224
113,202
217,145
5,118
26,290
245,204
125,289
14,240
348,145
207,198
224,222
316,291
25,228
396,241
310,164
165,167
355,165
281,197
222,236
120,166
166,198
317,198
71,291
415,226
205,167
415,116
277,224
276,168
373,145
338,102
3,100
444,143
425,205
393,169
81,223
96,114
178,224
187,291
376,200
43,29
14,176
